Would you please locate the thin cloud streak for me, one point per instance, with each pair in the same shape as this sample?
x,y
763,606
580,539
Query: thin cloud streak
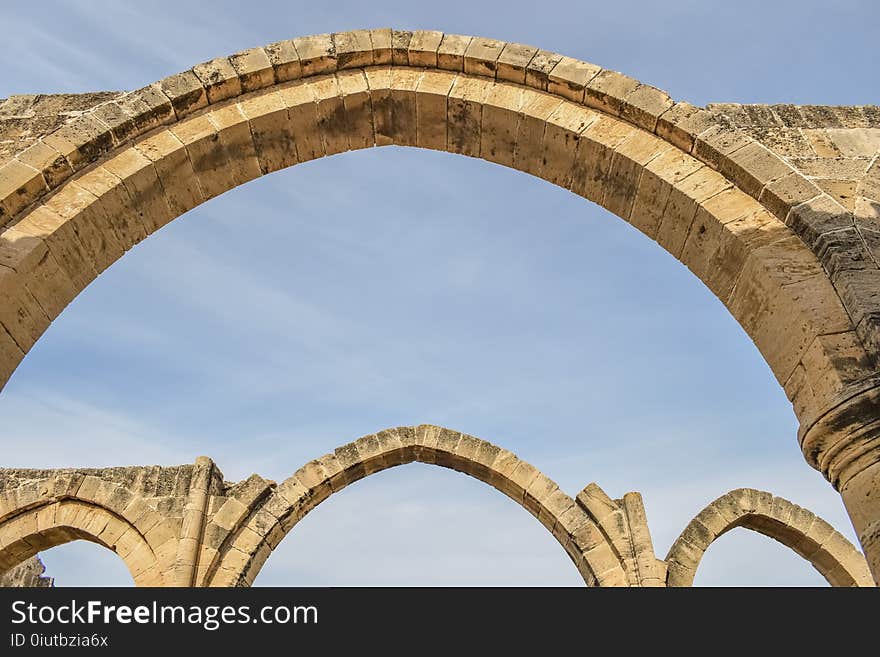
x,y
390,287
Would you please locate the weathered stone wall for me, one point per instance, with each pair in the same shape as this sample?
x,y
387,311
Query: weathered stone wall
x,y
29,574
836,147
144,514
26,118
164,488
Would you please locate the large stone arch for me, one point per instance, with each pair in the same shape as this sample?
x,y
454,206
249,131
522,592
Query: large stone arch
x,y
795,527
764,238
43,514
255,531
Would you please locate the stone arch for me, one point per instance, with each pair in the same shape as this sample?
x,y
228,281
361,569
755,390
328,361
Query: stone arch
x,y
249,539
723,204
42,514
808,535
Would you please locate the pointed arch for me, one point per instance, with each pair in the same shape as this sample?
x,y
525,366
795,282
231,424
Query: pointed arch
x,y
804,532
259,528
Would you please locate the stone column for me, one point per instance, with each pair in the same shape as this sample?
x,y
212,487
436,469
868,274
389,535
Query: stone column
x,y
861,495
193,523
844,444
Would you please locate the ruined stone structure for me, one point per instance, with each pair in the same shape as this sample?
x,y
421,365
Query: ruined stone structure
x,y
28,574
775,208
186,526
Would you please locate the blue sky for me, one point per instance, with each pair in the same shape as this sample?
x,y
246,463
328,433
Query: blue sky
x,y
398,286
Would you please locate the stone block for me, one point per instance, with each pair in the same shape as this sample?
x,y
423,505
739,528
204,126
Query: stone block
x,y
174,169
593,156
716,144
303,112
10,356
603,562
625,171
358,108
331,114
607,91
655,185
353,49
536,109
237,144
537,492
569,77
369,453
21,316
112,205
317,54
431,109
404,82
230,514
500,120
681,207
186,93
381,40
680,124
464,115
123,125
645,105
141,181
481,56
219,79
63,242
391,447
539,67
423,46
562,132
19,186
450,52
752,167
513,61
379,82
782,194
285,60
400,41
150,107
254,68
49,162
161,532
47,281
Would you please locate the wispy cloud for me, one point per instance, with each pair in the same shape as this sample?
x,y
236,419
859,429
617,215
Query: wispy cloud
x,y
391,287
52,431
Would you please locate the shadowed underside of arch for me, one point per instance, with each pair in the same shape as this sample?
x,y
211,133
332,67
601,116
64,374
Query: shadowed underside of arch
x,y
808,535
77,199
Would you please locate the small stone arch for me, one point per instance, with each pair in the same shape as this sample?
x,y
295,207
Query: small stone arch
x,y
808,535
238,560
43,514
